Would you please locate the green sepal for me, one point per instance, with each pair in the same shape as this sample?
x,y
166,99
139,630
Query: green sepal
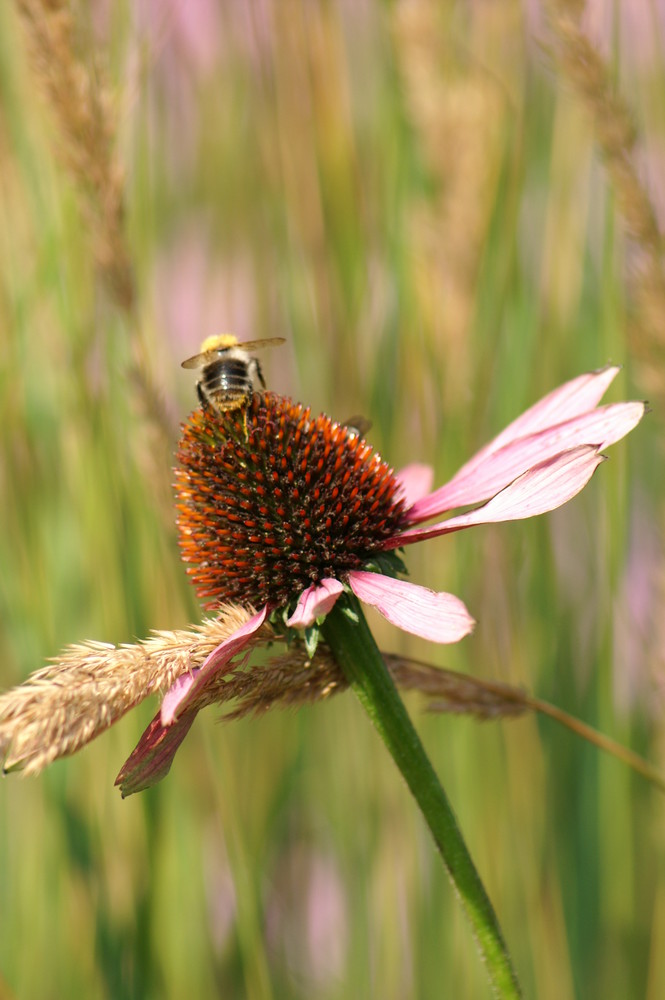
x,y
388,564
350,613
311,636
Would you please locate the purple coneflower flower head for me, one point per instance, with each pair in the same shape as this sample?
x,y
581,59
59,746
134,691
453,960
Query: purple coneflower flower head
x,y
284,511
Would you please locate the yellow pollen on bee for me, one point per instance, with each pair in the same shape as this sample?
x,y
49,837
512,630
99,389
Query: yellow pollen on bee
x,y
219,342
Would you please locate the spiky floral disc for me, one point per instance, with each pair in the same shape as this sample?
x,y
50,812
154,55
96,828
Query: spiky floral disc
x,y
272,500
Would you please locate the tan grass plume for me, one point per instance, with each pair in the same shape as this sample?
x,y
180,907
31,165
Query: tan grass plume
x,y
83,108
91,685
451,692
583,66
456,108
81,104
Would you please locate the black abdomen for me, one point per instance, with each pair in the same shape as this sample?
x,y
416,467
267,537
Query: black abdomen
x,y
226,380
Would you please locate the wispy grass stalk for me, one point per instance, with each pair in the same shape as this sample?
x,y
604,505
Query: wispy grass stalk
x,y
585,69
82,106
84,110
456,109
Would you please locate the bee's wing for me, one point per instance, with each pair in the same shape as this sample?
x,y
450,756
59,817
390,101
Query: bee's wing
x,y
201,359
198,361
258,345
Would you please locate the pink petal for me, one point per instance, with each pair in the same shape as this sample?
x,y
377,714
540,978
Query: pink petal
x,y
435,616
475,482
543,488
570,400
175,695
184,692
316,600
151,759
567,401
416,482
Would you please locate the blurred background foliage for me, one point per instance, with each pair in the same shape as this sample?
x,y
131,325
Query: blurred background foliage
x,y
432,203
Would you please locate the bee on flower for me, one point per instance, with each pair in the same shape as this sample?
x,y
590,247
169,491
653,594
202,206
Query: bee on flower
x,y
282,515
285,512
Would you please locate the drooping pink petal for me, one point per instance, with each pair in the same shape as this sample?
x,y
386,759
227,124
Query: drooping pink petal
x,y
184,693
600,427
438,617
316,600
544,487
416,482
151,759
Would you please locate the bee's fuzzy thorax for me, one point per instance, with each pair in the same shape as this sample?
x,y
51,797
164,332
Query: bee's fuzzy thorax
x,y
219,342
271,500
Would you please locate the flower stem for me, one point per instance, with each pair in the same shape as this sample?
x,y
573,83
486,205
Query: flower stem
x,y
360,659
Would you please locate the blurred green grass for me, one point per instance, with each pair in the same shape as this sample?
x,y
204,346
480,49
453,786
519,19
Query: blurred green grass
x,y
412,197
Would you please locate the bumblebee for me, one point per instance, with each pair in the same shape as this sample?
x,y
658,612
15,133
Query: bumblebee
x,y
229,374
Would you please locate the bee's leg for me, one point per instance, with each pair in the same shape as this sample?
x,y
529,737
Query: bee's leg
x,y
260,374
205,405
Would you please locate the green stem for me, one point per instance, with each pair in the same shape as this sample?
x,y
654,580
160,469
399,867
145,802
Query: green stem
x,y
353,645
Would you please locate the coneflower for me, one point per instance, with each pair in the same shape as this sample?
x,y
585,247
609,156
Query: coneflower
x,y
287,512
272,500
298,517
